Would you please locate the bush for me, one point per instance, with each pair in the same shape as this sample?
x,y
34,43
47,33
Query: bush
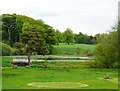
x,y
6,49
106,55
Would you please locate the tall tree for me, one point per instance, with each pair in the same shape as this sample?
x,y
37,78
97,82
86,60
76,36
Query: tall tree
x,y
59,37
18,29
49,35
79,38
68,36
8,25
32,39
11,28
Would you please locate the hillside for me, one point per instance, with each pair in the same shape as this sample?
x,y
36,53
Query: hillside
x,y
74,49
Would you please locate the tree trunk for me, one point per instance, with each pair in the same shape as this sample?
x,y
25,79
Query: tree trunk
x,y
68,43
9,35
29,58
45,58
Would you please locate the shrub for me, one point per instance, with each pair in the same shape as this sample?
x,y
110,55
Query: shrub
x,y
106,55
6,49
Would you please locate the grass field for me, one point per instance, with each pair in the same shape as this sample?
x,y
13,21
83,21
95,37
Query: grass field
x,y
20,78
57,75
73,49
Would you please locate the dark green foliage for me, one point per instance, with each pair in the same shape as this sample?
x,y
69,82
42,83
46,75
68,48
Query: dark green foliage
x,y
19,48
43,49
6,49
79,38
68,35
18,29
15,25
11,28
84,39
8,26
49,35
31,39
88,39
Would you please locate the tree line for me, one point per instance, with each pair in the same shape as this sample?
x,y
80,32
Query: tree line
x,y
17,29
13,25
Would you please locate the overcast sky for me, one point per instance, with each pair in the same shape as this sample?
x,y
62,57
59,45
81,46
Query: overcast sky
x,y
86,16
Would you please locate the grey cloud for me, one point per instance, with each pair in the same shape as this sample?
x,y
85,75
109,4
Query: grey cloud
x,y
47,14
90,16
42,13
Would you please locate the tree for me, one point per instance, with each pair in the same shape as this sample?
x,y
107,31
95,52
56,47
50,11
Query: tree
x,y
88,39
94,40
106,51
18,29
11,28
106,55
13,25
68,36
79,38
101,38
49,35
32,39
112,38
59,37
5,49
19,48
8,25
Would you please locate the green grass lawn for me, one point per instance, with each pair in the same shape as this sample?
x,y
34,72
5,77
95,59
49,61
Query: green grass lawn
x,y
19,78
57,75
6,61
73,49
